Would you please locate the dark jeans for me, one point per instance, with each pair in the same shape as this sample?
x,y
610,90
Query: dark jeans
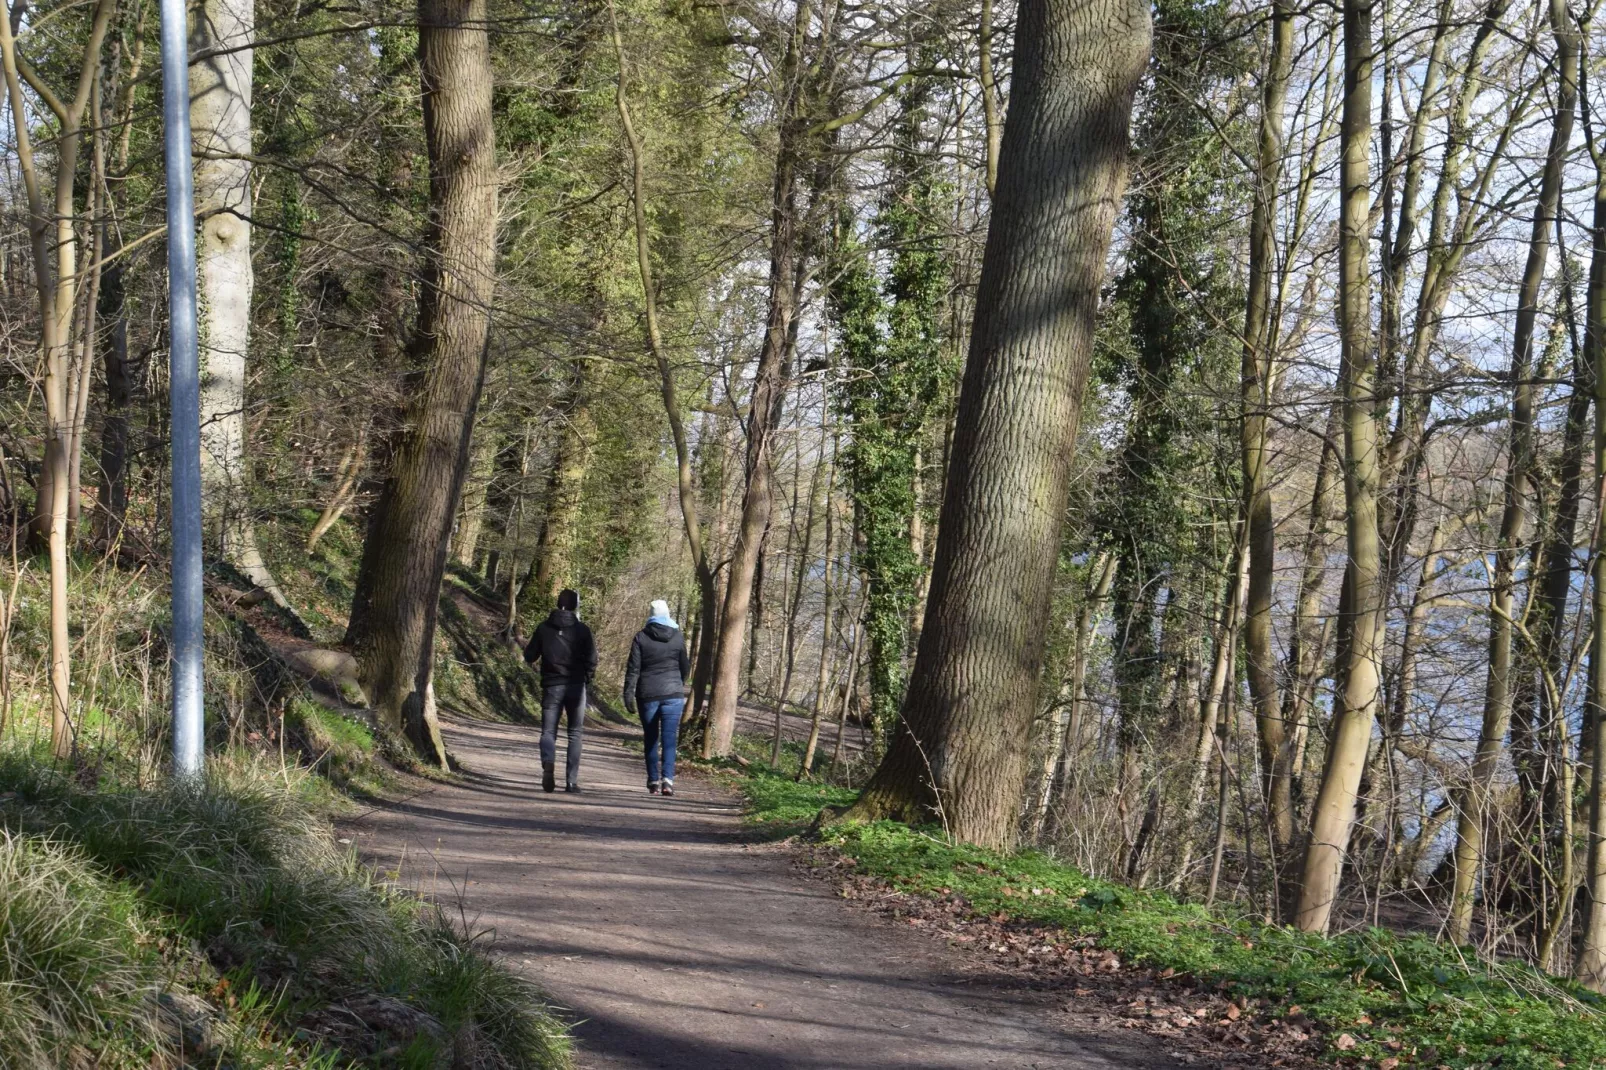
x,y
660,720
558,699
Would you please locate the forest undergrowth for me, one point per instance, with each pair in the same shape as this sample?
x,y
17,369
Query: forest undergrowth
x,y
1363,997
149,924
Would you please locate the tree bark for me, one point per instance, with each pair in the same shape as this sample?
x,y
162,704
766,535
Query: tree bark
x,y
962,753
1589,966
1514,517
768,395
397,595
1272,729
220,122
1333,815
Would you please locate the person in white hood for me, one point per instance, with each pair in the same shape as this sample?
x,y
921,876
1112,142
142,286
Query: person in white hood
x,y
655,687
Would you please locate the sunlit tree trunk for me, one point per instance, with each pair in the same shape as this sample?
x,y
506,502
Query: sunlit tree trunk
x,y
961,753
768,392
685,484
1355,705
220,120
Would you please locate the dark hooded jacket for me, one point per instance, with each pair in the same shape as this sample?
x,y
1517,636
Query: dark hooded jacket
x,y
658,665
564,647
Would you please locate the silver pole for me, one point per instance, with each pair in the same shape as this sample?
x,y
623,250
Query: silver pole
x,y
184,390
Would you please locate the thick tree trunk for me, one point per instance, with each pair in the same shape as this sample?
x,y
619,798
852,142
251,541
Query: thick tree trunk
x,y
1514,517
394,608
1276,758
555,549
962,753
220,121
1355,708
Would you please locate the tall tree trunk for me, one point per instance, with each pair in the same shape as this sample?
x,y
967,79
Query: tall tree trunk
x,y
397,595
1355,706
115,421
1541,750
220,121
1271,729
962,754
1514,517
1589,967
556,545
1307,642
824,676
769,391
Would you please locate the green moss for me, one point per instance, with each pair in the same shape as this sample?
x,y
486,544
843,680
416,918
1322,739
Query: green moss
x,y
1437,1001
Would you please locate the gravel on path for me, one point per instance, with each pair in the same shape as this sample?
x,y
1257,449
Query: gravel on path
x,y
677,943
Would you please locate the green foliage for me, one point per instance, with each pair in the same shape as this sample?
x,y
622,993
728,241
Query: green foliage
x,y
897,370
781,802
1169,345
243,870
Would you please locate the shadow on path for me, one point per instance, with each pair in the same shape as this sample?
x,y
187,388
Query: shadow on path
x,y
677,944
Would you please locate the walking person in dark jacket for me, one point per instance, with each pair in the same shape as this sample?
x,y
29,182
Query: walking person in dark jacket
x,y
568,656
655,684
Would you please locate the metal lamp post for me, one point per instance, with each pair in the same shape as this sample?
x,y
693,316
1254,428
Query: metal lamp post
x,y
189,723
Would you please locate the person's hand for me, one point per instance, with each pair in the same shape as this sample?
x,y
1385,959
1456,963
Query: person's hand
x,y
630,707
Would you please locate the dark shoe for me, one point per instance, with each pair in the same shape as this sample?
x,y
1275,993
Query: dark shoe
x,y
572,789
549,782
652,788
668,788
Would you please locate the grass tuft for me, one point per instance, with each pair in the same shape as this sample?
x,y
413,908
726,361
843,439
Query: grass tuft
x,y
241,869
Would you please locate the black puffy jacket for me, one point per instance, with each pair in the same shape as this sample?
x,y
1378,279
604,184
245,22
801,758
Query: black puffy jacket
x,y
658,665
564,647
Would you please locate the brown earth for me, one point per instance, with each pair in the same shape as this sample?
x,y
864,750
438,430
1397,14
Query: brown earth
x,y
676,942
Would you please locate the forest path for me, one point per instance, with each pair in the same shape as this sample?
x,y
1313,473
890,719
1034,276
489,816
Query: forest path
x,y
677,943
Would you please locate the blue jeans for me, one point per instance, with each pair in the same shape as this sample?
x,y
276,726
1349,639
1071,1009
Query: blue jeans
x,y
560,699
660,721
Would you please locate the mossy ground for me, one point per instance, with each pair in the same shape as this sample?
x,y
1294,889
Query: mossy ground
x,y
1398,996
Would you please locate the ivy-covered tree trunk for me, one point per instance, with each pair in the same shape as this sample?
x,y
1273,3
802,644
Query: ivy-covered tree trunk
x,y
392,628
960,753
891,335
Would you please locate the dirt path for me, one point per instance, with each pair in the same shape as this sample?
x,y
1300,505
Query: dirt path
x,y
677,945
